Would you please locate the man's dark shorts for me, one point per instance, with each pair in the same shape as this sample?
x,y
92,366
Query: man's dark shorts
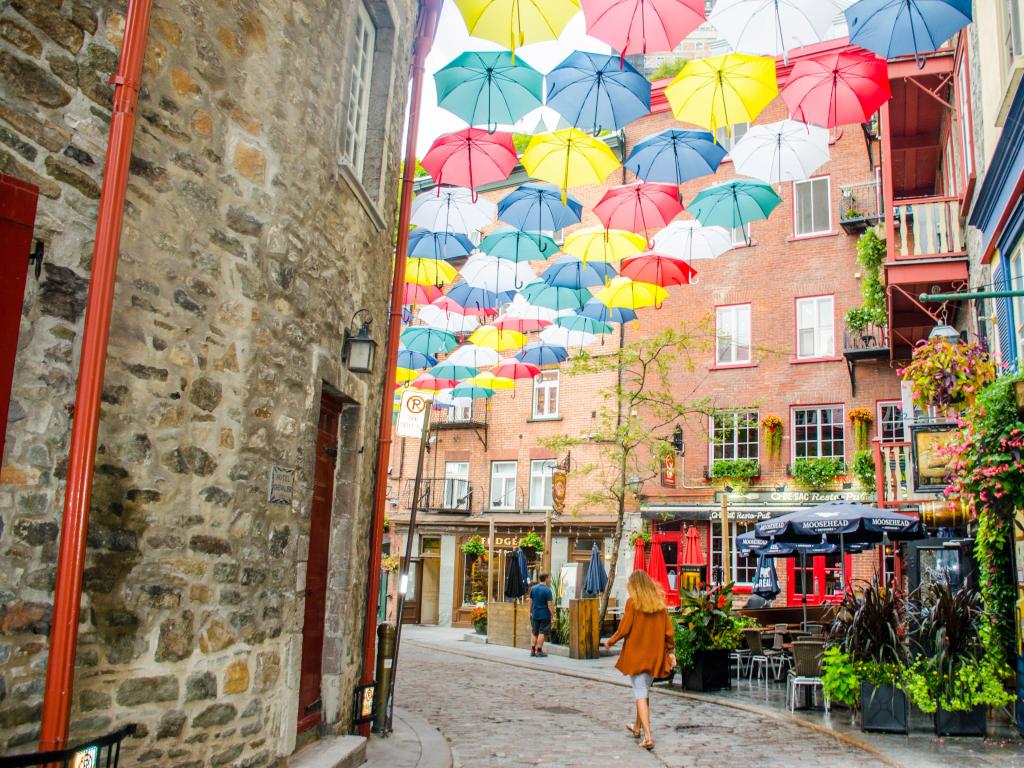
x,y
540,627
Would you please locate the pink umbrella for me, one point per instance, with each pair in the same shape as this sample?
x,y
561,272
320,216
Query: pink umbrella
x,y
470,158
449,304
656,567
510,368
657,269
521,324
420,294
639,207
837,88
643,26
639,559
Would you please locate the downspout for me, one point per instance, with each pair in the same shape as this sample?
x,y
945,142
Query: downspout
x,y
426,28
67,597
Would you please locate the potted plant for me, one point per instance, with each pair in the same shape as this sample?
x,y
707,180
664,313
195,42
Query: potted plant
x,y
390,563
864,470
861,419
772,426
817,473
707,631
473,548
735,472
479,619
948,376
531,544
635,536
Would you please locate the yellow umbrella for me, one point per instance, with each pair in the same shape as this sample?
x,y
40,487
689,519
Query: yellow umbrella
x,y
491,381
497,338
513,23
722,90
568,158
598,244
405,374
623,293
429,272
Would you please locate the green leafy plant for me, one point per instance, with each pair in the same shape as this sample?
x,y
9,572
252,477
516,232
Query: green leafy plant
x,y
874,308
706,622
735,471
861,419
474,547
667,69
560,621
817,474
839,677
864,470
947,375
644,536
532,541
772,426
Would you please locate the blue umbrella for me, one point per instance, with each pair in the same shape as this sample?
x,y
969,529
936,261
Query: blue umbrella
x,y
893,28
539,353
427,244
571,272
465,295
675,155
595,92
583,324
597,310
538,207
410,358
597,580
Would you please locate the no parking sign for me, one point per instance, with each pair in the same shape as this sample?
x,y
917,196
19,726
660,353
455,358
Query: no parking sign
x,y
412,413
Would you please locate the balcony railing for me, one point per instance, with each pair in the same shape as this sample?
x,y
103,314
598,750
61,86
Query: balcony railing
x,y
441,495
928,227
894,475
860,206
460,418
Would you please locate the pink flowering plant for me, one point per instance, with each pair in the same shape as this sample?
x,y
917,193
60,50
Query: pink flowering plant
x,y
946,375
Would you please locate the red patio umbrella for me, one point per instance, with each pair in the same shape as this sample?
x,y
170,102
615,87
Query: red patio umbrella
x,y
470,157
639,558
510,368
692,552
639,207
656,567
837,88
658,269
420,294
642,26
521,324
449,304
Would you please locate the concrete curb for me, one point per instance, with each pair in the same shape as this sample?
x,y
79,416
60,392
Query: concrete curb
x,y
435,751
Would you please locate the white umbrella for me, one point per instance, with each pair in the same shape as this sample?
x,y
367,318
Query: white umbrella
x,y
444,399
452,209
520,307
689,241
564,337
772,27
496,275
452,322
474,356
788,150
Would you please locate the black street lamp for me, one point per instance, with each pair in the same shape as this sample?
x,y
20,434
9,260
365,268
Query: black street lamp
x,y
358,349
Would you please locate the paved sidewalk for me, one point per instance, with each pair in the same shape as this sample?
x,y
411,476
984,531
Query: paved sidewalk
x,y
414,743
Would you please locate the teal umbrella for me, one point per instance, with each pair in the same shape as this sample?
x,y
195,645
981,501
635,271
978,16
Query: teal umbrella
x,y
733,204
429,341
454,371
583,324
540,294
516,245
469,390
489,88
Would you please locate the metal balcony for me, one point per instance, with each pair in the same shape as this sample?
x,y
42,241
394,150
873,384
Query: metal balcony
x,y
860,206
440,495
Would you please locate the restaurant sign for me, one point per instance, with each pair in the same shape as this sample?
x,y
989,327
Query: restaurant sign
x,y
792,497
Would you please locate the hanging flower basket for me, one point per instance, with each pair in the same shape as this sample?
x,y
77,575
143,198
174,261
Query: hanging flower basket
x,y
643,536
946,375
772,426
861,419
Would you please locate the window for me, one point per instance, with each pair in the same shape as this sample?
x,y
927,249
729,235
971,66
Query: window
x,y
503,485
540,483
732,334
728,140
744,568
812,206
964,117
1017,302
456,485
734,435
815,327
818,432
740,235
364,40
463,411
475,572
545,395
890,422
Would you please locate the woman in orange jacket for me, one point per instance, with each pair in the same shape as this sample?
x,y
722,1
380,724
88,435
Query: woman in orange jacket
x,y
649,650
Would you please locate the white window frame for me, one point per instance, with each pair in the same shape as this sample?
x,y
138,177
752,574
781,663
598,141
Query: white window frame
x,y
540,482
364,41
461,413
1016,282
728,138
723,448
503,484
740,236
733,325
823,337
456,485
748,568
549,379
838,415
881,408
813,183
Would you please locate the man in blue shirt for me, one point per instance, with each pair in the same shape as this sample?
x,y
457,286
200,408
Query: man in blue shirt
x,y
542,609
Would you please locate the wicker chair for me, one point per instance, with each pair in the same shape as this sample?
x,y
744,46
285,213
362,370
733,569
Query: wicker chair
x,y
806,670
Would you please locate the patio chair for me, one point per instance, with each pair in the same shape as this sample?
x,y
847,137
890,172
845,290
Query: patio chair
x,y
814,629
806,670
778,656
741,657
762,659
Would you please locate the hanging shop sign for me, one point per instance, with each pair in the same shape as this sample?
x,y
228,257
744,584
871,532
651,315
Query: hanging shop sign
x,y
668,470
931,463
559,480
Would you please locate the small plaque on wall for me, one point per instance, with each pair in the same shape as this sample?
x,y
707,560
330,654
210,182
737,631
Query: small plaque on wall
x,y
282,485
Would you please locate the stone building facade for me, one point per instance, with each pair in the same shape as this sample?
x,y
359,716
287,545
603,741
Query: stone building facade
x,y
255,229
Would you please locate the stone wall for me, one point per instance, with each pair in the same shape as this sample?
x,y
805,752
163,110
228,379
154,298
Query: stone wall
x,y
246,251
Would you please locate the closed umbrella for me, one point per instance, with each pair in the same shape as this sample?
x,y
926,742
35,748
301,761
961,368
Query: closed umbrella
x,y
597,580
514,23
784,151
471,158
894,28
596,92
489,88
538,207
693,553
569,158
690,240
772,27
675,155
642,26
656,567
427,244
452,209
766,580
837,88
639,559
721,90
517,245
638,207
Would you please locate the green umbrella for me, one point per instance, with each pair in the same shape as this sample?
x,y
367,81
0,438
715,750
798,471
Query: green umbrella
x,y
733,204
446,370
487,88
583,324
540,294
429,341
469,390
516,245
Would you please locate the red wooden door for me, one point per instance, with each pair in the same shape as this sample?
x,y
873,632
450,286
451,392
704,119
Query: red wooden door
x,y
316,566
823,576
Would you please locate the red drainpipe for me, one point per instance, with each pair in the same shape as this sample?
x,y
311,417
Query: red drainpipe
x,y
67,598
426,28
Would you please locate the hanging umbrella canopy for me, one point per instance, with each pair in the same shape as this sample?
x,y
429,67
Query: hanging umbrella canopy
x,y
426,382
894,28
658,269
474,356
490,381
569,158
511,368
508,322
429,341
599,244
521,308
516,245
538,207
597,580
420,294
478,300
558,336
540,354
473,392
734,204
675,155
551,297
639,207
514,23
405,375
642,26
444,399
690,241
784,151
583,324
722,90
497,275
693,553
435,317
449,305
489,88
410,358
574,273
625,293
856,523
766,580
429,272
838,88
471,158
639,559
427,244
656,567
497,339
771,27
453,371
605,314
597,92
452,209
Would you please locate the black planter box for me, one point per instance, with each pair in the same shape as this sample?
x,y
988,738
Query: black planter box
x,y
710,671
882,709
969,723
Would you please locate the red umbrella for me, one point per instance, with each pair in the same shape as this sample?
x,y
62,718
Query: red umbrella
x,y
639,563
656,567
420,294
432,383
510,368
521,324
657,269
692,552
837,88
643,26
450,305
470,157
639,207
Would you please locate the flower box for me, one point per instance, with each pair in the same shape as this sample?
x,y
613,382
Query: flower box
x,y
710,671
960,723
883,709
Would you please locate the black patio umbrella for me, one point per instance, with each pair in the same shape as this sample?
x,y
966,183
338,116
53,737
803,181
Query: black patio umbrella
x,y
766,581
597,579
516,578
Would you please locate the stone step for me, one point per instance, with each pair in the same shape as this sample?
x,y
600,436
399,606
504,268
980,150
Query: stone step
x,y
331,752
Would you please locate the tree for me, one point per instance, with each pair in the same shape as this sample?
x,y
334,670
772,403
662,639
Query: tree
x,y
635,421
667,69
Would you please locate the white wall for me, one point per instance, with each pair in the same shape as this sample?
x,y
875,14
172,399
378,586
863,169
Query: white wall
x,y
446,592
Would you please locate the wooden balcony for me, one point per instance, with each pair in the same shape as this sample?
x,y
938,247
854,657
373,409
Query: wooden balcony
x,y
894,476
926,228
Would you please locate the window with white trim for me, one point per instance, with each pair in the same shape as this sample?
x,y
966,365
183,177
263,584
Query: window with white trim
x,y
812,206
818,432
456,485
728,138
732,334
1017,302
462,411
890,421
540,483
545,395
361,71
815,327
740,235
503,485
744,568
734,435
